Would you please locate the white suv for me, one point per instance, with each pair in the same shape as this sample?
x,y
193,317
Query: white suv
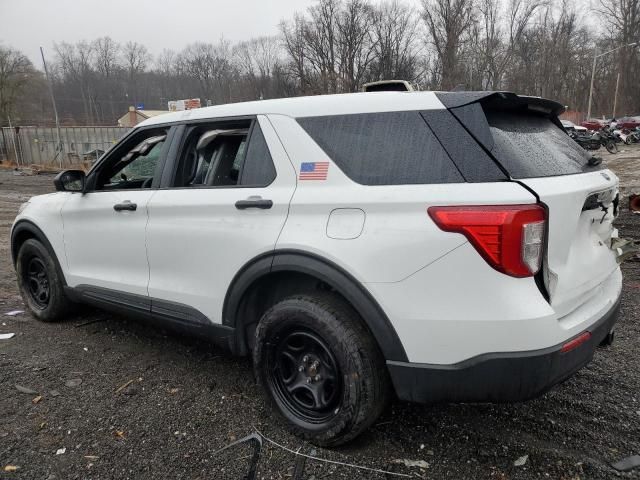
x,y
455,246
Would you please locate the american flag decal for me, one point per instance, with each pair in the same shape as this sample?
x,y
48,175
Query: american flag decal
x,y
314,170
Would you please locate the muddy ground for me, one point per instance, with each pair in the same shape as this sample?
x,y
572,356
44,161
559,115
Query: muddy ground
x,y
183,400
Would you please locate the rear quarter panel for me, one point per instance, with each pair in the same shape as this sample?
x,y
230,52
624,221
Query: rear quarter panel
x,y
398,238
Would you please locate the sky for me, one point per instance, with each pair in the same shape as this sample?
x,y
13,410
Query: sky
x,y
28,24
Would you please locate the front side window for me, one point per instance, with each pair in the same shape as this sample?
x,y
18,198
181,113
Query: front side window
x,y
134,165
224,157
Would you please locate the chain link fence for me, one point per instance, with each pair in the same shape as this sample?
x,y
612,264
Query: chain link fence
x,y
41,146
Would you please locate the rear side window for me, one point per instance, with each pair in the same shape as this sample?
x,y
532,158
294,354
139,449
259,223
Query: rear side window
x,y
258,164
395,148
530,146
213,156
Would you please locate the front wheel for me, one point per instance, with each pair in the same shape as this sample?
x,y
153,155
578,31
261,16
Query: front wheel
x,y
320,368
40,284
611,147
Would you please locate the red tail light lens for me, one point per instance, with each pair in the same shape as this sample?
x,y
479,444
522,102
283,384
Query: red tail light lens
x,y
509,237
576,342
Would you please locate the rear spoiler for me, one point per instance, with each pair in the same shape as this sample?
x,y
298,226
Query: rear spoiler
x,y
503,101
469,108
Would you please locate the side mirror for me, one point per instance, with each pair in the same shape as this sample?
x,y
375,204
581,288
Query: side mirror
x,y
70,181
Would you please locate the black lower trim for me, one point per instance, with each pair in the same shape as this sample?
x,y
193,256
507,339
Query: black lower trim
x,y
173,315
113,300
498,377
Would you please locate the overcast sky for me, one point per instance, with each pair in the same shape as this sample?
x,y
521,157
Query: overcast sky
x,y
29,24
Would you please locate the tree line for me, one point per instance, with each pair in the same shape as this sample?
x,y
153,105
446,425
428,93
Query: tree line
x,y
534,47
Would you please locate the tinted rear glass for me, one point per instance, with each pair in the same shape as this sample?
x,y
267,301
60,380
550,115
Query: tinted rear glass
x,y
395,148
530,146
258,164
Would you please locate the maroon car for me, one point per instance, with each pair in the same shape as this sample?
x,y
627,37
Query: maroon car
x,y
628,122
593,124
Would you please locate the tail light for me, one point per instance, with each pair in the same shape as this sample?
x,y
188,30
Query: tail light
x,y
509,237
576,342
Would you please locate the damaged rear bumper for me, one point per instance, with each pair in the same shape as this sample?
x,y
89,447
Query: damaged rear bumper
x,y
498,377
624,249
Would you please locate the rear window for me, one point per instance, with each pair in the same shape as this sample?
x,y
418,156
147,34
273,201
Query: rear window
x,y
394,148
531,146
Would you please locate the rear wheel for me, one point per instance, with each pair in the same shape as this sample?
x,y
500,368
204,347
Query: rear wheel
x,y
320,368
40,284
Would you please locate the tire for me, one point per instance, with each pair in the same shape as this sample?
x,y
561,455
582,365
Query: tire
x,y
302,330
611,147
39,281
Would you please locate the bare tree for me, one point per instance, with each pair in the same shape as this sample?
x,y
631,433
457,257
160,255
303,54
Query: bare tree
x,y
396,51
15,73
321,44
293,34
211,66
106,56
75,63
487,48
107,66
256,59
448,23
136,59
537,47
356,43
623,20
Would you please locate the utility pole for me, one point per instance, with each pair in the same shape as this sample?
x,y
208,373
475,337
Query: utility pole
x,y
615,97
55,110
593,75
13,140
593,70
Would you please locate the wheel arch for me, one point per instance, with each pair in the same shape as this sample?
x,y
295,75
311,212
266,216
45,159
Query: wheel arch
x,y
24,230
270,277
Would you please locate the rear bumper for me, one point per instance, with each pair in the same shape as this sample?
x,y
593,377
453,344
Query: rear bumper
x,y
498,377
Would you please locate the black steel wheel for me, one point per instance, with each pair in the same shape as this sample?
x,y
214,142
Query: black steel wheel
x,y
37,281
40,282
321,368
306,376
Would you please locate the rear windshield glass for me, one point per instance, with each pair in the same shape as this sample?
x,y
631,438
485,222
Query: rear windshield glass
x,y
394,148
530,146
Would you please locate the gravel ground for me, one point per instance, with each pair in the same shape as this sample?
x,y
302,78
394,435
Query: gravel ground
x,y
125,400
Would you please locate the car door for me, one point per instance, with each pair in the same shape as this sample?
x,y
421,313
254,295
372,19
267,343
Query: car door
x,y
226,204
104,228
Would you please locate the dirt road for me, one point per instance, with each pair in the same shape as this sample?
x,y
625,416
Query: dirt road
x,y
117,399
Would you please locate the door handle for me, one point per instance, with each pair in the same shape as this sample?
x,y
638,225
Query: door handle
x,y
254,202
126,205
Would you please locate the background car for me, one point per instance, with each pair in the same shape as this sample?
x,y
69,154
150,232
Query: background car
x,y
593,124
569,126
628,122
